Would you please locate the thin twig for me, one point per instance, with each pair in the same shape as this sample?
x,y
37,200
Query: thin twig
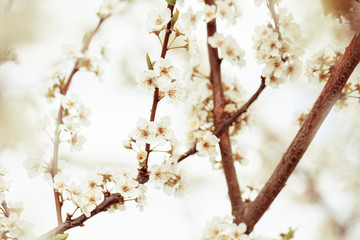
x,y
114,198
6,209
59,121
270,4
226,123
143,175
328,97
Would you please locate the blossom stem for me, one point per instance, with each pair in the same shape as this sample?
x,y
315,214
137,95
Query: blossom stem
x,y
226,123
329,96
143,175
172,42
160,39
177,47
63,90
270,4
114,198
218,111
5,209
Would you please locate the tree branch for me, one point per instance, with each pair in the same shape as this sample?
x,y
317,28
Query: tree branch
x,y
59,121
227,122
275,17
328,97
114,198
6,209
143,175
218,111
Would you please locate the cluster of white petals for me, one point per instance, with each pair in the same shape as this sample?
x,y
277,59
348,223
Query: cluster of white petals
x,y
4,185
224,228
164,77
209,12
168,177
110,7
281,56
230,49
11,226
318,66
87,195
206,143
158,19
201,116
228,9
75,115
152,132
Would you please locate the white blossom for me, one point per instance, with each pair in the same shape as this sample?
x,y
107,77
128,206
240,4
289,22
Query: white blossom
x,y
35,163
157,19
209,12
206,145
147,81
144,132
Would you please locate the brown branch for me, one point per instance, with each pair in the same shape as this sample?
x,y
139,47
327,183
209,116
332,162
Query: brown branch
x,y
114,198
328,97
275,17
226,123
59,121
143,175
6,209
218,111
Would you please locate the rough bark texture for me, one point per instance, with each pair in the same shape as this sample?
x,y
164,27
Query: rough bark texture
x,y
328,97
225,145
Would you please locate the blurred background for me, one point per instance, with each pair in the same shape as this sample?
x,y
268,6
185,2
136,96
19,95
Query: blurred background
x,y
321,199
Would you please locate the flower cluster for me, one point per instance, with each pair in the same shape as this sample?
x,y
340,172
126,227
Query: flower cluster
x,y
206,143
224,228
279,54
11,226
168,177
35,163
230,50
75,115
201,116
4,185
110,7
158,19
165,77
228,10
151,133
87,195
319,65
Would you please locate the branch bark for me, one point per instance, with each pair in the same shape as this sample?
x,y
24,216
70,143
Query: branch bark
x,y
114,198
218,111
227,122
328,97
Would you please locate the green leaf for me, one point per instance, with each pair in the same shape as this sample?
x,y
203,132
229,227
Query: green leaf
x,y
174,18
171,2
149,63
289,235
60,237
